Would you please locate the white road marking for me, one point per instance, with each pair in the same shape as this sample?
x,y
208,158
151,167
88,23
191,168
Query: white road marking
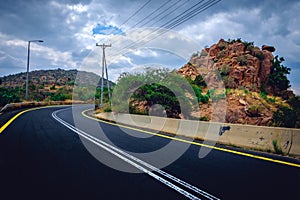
x,y
138,163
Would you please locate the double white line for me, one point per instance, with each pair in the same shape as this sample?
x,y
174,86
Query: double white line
x,y
139,164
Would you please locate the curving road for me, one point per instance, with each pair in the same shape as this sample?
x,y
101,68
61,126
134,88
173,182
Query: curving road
x,y
57,152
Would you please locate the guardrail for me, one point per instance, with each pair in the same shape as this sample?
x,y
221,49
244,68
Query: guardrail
x,y
271,139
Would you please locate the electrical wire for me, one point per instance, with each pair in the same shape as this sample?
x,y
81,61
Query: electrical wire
x,y
156,10
191,12
136,12
172,11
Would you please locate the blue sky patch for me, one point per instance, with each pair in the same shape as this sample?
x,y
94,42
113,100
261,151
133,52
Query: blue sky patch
x,y
107,30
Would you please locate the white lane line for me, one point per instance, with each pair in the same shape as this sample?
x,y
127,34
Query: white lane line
x,y
114,151
180,190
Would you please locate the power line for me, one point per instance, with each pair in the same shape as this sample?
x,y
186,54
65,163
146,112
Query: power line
x,y
136,12
132,15
174,22
193,13
193,7
172,11
149,15
144,5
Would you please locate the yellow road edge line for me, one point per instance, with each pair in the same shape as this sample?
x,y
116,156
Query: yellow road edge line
x,y
22,112
193,142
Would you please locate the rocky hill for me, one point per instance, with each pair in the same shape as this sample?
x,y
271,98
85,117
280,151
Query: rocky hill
x,y
49,85
57,77
257,88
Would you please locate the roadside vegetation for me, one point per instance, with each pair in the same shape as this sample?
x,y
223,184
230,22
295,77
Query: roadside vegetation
x,y
137,93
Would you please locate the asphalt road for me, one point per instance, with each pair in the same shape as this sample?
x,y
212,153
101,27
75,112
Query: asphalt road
x,y
43,155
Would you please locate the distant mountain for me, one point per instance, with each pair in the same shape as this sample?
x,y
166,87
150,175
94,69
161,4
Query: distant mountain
x,y
57,77
50,85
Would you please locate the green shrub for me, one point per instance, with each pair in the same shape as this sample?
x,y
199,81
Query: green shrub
x,y
200,81
272,100
52,87
259,55
107,109
203,98
294,102
277,149
249,46
228,82
227,91
204,118
225,69
255,110
285,117
242,60
263,95
223,45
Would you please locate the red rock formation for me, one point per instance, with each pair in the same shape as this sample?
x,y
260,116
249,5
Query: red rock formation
x,y
249,65
244,65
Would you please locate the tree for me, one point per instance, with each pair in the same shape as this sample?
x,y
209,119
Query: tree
x,y
285,117
294,102
157,94
278,77
155,86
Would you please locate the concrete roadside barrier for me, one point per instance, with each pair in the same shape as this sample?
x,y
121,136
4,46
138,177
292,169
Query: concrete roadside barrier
x,y
271,139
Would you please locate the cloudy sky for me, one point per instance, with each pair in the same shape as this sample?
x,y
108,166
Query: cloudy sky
x,y
71,28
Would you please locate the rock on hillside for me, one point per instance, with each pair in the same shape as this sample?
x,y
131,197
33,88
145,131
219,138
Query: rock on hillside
x,y
248,66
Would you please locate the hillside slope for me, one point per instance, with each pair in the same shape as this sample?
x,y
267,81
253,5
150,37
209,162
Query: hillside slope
x,y
45,85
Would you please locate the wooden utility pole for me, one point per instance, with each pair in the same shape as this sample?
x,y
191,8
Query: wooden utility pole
x,y
104,68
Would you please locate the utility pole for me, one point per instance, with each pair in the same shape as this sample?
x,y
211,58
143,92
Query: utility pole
x,y
104,68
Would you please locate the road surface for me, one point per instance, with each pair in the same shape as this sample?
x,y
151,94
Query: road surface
x,y
43,155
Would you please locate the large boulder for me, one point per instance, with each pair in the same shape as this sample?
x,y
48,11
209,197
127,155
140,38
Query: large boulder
x,y
188,71
268,48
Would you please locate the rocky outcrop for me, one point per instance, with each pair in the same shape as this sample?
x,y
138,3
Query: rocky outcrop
x,y
243,67
244,64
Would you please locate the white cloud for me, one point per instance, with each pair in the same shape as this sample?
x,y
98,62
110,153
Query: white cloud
x,y
145,52
79,8
123,60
